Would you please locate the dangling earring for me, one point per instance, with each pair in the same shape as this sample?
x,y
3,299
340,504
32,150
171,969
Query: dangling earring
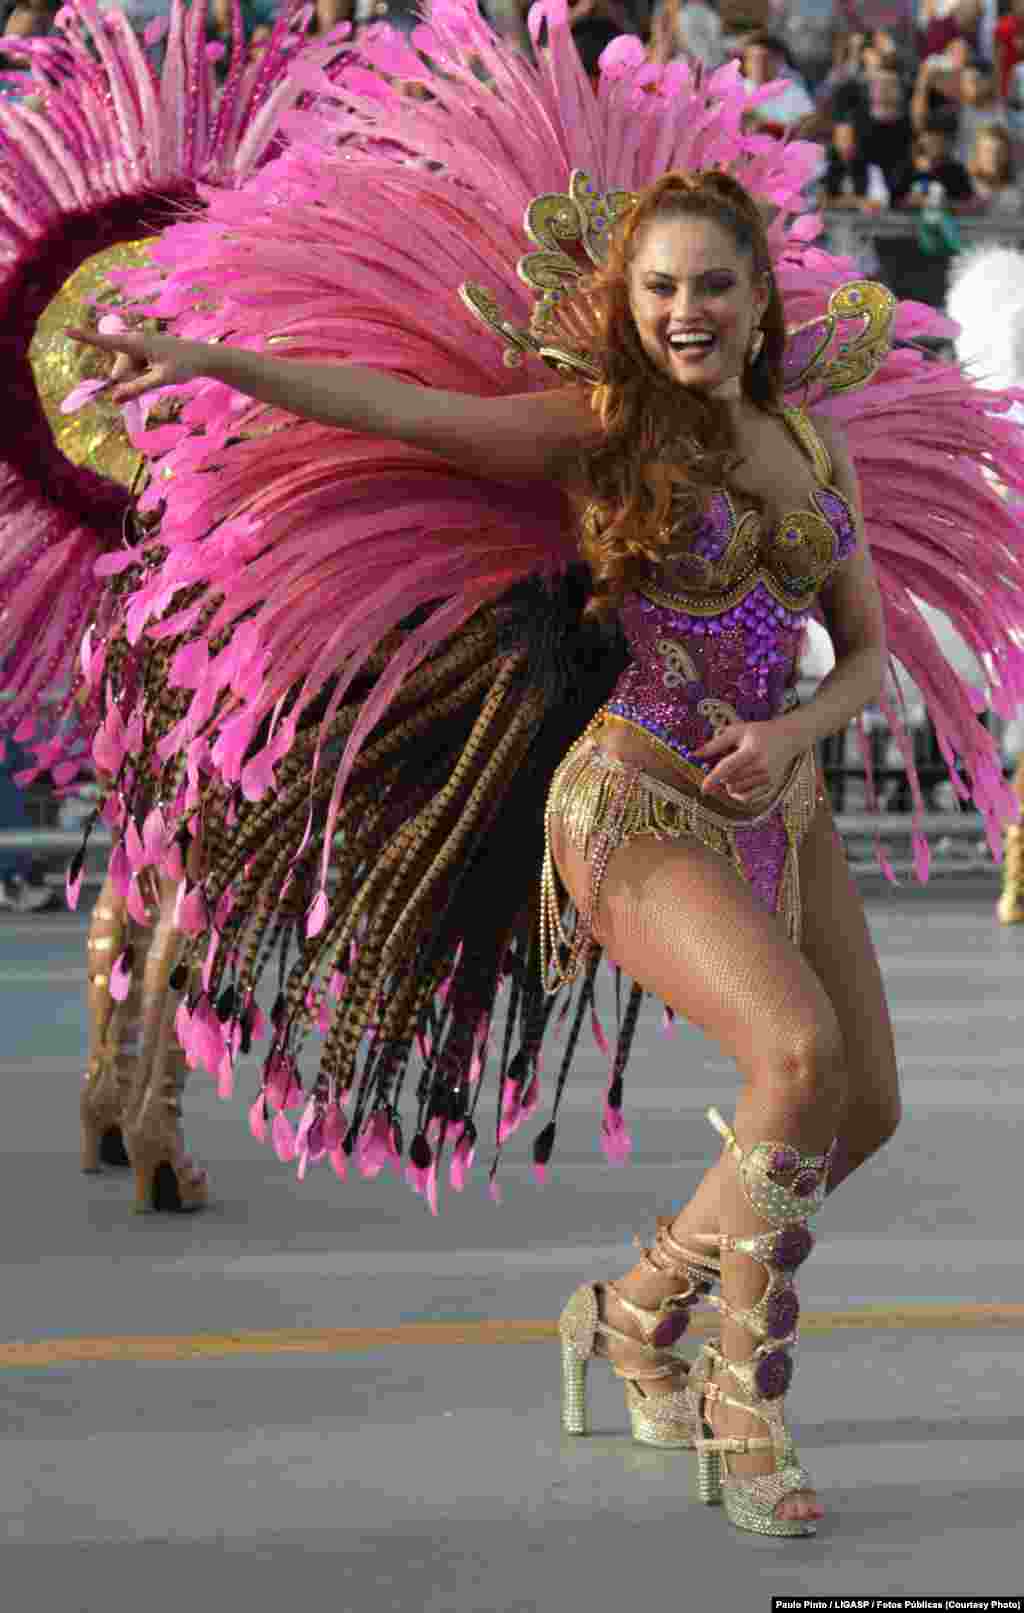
x,y
756,344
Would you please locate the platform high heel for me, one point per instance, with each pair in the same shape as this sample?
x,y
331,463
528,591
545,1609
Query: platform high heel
x,y
663,1420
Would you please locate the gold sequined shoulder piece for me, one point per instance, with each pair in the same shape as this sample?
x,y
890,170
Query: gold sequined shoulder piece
x,y
810,439
841,349
572,230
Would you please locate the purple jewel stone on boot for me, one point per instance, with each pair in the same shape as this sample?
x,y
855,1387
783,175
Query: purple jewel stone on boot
x,y
772,1374
805,1184
792,1246
672,1328
781,1314
785,1159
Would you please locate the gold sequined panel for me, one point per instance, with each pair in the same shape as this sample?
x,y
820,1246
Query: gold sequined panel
x,y
843,349
802,555
95,436
738,559
572,230
810,440
603,802
792,561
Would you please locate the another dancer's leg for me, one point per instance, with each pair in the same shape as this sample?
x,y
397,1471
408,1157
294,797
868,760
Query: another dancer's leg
x,y
166,1177
114,1031
1011,901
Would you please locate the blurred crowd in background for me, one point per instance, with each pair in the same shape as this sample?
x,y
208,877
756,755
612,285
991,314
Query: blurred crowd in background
x,y
917,103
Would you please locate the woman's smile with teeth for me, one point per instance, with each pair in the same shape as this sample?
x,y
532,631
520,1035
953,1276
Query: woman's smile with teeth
x,y
691,338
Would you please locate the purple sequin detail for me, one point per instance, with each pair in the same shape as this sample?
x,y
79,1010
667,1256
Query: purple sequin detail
x,y
746,657
785,1159
806,1183
781,1314
772,1374
837,512
715,530
800,349
672,1328
792,1246
762,851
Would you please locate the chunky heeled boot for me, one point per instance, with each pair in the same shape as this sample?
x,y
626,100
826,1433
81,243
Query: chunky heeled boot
x,y
166,1178
665,1420
114,1034
750,1501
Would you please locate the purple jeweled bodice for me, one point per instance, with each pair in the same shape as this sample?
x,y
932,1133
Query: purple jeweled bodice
x,y
724,645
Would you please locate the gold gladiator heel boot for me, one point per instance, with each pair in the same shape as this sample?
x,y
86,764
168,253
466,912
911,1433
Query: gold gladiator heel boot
x,y
114,1031
166,1178
750,1501
664,1420
1010,909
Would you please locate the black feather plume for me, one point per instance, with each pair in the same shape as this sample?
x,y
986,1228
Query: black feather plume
x,y
565,654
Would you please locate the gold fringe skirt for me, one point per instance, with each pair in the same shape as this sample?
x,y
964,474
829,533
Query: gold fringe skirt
x,y
603,802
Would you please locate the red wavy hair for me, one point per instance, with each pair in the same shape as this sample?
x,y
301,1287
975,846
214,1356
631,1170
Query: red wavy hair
x,y
665,448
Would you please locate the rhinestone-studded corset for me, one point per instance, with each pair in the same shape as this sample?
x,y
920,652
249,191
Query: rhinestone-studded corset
x,y
724,647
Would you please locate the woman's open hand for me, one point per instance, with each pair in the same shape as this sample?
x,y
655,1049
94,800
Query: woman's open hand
x,y
756,760
153,361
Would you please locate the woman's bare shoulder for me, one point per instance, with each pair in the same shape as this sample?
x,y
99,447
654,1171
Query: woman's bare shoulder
x,y
830,432
560,420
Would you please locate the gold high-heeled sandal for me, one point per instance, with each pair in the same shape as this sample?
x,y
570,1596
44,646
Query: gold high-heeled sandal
x,y
113,1036
664,1420
750,1501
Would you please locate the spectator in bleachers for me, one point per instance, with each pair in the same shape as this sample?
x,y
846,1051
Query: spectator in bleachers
x,y
843,96
1015,109
27,21
807,31
931,163
21,22
765,59
687,30
140,13
891,52
1009,49
940,22
980,107
850,180
888,133
936,99
992,171
255,13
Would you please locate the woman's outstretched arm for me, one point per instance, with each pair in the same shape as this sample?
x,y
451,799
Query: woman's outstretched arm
x,y
525,435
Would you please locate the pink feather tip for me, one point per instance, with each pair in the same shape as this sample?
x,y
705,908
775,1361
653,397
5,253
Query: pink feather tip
x,y
121,978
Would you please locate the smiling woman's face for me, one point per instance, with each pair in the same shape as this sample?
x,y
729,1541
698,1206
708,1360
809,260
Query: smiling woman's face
x,y
694,300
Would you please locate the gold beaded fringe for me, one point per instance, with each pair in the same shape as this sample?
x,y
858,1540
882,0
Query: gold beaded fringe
x,y
603,800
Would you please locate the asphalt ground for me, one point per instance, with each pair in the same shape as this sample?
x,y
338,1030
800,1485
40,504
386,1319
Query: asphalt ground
x,y
318,1391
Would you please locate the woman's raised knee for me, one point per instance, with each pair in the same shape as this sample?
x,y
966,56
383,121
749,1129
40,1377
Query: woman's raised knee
x,y
806,1067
